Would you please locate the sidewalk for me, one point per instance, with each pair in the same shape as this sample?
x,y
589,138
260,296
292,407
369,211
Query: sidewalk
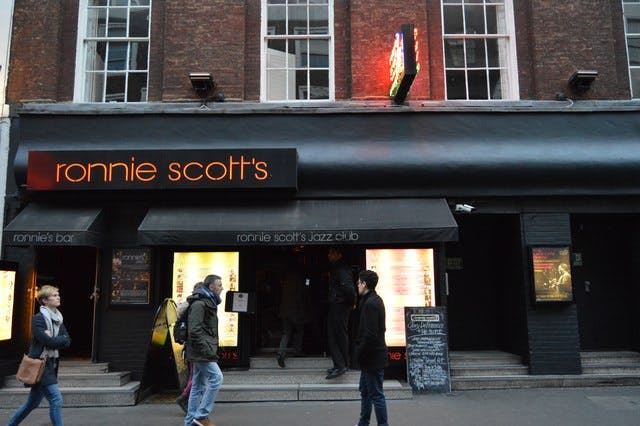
x,y
609,406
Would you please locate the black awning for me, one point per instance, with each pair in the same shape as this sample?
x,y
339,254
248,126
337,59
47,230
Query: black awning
x,y
370,221
45,225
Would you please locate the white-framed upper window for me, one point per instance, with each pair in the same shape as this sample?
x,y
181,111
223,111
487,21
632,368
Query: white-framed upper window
x,y
479,49
297,50
631,10
112,61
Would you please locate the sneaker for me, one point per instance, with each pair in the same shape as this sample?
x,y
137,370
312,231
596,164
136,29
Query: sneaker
x,y
336,373
203,422
183,402
280,359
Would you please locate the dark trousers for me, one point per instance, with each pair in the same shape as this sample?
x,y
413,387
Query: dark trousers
x,y
290,328
337,323
372,395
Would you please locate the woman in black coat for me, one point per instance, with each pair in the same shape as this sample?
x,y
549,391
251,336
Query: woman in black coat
x,y
49,334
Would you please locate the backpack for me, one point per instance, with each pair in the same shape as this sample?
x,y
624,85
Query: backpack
x,y
180,328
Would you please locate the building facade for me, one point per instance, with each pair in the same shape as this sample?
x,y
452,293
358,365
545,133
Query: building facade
x,y
154,139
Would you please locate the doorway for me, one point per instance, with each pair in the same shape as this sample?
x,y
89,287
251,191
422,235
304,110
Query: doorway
x,y
73,271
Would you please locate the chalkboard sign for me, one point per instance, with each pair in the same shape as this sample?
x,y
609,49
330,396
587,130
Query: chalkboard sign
x,y
427,349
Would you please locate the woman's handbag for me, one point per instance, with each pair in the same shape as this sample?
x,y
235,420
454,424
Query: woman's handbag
x,y
31,369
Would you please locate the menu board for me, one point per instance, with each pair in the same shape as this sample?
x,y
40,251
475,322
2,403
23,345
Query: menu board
x,y
190,268
130,276
427,349
7,289
552,274
406,278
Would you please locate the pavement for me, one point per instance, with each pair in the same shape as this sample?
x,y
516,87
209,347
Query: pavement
x,y
610,406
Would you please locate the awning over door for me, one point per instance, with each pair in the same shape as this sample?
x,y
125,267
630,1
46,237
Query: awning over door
x,y
46,225
370,221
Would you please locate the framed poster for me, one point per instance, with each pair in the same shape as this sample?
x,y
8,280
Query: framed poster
x,y
552,273
130,276
7,294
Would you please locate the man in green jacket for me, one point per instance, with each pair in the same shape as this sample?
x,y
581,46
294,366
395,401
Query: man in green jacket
x,y
201,349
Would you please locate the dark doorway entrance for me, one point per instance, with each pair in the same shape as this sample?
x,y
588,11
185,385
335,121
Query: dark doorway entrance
x,y
603,279
486,300
73,271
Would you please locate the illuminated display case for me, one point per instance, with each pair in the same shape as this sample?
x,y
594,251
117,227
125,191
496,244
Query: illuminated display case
x,y
406,278
190,268
552,274
7,293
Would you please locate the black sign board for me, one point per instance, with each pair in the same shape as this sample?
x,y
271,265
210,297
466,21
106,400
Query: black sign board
x,y
162,169
237,301
427,349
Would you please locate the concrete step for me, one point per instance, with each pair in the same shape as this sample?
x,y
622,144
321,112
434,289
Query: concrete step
x,y
489,370
78,367
270,362
393,389
483,358
78,396
544,381
288,376
609,357
633,369
112,379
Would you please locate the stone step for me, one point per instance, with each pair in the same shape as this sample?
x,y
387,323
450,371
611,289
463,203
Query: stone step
x,y
609,357
633,369
270,362
112,379
288,376
78,367
393,389
483,358
544,381
489,370
78,396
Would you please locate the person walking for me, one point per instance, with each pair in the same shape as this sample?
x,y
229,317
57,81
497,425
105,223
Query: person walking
x,y
50,335
201,349
371,350
341,300
293,312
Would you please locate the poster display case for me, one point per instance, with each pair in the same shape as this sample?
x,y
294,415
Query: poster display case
x,y
130,276
190,268
552,274
7,296
406,278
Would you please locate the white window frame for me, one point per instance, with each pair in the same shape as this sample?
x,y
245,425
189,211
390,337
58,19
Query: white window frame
x,y
626,44
264,37
512,91
80,72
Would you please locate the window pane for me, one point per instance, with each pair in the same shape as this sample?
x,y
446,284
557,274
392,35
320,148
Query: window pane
x,y
97,2
475,53
115,88
139,22
453,20
276,85
276,20
93,87
117,22
298,20
276,54
95,54
319,53
477,84
492,19
456,85
635,83
118,2
318,2
493,51
319,84
454,54
139,2
497,80
276,1
299,49
632,15
96,22
301,91
474,17
138,53
117,56
137,87
318,20
633,45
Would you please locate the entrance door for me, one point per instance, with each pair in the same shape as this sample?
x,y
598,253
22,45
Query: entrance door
x,y
603,278
73,271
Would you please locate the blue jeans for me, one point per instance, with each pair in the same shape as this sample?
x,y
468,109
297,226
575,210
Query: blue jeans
x,y
53,395
206,382
372,395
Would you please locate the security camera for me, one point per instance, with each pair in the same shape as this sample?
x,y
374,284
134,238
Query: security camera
x,y
465,208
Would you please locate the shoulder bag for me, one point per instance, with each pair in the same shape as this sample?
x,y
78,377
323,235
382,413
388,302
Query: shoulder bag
x,y
31,369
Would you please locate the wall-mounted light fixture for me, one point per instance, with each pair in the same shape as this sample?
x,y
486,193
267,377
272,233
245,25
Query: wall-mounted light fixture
x,y
581,81
202,83
464,208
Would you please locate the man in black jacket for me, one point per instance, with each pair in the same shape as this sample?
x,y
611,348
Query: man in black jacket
x,y
371,350
341,300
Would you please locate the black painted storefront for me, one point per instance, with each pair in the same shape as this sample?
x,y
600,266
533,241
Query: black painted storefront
x,y
539,177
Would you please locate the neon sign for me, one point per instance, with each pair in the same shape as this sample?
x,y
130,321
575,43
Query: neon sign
x,y
403,62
